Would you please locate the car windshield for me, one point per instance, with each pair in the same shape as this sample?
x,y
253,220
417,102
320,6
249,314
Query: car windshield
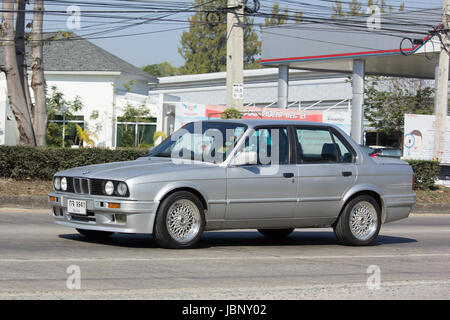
x,y
202,141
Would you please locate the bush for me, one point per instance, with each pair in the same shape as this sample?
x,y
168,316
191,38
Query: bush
x,y
425,173
42,163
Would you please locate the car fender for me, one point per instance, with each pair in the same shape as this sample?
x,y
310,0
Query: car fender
x,y
365,187
179,185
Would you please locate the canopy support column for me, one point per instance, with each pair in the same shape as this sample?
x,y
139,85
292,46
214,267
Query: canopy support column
x,y
358,101
283,86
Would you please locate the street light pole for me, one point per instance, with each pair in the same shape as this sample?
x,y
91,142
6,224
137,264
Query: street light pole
x,y
235,54
441,108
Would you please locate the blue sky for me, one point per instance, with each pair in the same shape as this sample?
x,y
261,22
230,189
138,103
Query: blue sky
x,y
153,46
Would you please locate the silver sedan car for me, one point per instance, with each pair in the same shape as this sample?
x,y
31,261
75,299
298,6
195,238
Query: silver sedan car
x,y
269,175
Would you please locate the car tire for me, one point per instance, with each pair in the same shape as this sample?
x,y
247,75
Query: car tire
x,y
359,222
94,234
276,233
180,221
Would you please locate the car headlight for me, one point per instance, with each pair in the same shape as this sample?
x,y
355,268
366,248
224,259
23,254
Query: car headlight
x,y
122,189
109,188
57,183
64,184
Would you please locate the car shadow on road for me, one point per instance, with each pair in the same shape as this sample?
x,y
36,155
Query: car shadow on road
x,y
235,239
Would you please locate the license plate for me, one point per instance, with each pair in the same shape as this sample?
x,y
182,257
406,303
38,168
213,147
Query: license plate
x,y
76,206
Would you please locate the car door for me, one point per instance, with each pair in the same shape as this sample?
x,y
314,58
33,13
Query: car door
x,y
267,188
326,170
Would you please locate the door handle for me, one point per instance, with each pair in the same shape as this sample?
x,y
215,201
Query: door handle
x,y
288,175
346,173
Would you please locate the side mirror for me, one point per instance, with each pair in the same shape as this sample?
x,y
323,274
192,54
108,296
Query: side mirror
x,y
245,158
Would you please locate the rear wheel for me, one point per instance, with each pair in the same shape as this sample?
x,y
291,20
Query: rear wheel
x,y
360,222
94,234
180,221
276,233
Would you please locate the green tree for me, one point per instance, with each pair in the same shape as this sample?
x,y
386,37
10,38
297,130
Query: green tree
x,y
204,47
338,10
277,17
356,8
387,100
162,69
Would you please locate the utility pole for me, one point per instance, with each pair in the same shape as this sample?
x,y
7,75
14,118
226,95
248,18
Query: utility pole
x,y
442,88
235,54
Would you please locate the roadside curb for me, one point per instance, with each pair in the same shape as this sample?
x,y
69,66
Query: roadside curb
x,y
24,202
431,208
40,202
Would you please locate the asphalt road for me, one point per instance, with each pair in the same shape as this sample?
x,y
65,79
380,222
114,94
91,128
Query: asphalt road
x,y
411,260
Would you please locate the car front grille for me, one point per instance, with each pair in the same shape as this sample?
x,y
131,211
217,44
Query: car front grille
x,y
85,186
95,187
81,185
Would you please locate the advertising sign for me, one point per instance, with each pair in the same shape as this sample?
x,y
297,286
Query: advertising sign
x,y
188,112
419,137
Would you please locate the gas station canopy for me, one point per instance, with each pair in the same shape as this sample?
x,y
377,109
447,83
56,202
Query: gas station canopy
x,y
400,45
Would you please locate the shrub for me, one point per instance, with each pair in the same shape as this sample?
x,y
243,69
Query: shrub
x,y
42,163
231,113
425,173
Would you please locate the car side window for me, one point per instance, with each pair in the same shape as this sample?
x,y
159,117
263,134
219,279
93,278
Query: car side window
x,y
315,146
344,153
270,144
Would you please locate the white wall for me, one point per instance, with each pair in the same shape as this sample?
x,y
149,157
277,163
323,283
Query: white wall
x,y
96,93
260,87
9,134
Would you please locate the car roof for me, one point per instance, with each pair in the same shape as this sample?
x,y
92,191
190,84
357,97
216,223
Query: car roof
x,y
264,122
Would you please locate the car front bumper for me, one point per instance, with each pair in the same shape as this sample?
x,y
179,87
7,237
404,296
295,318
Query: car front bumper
x,y
128,216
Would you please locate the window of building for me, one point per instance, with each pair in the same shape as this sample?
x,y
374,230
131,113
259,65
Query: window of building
x,y
135,133
62,131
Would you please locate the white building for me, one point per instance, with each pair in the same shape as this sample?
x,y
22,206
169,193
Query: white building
x,y
104,83
306,88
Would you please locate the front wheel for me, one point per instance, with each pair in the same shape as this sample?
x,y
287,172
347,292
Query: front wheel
x,y
360,222
276,233
180,221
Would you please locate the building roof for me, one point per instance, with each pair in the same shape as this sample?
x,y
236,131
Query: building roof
x,y
77,54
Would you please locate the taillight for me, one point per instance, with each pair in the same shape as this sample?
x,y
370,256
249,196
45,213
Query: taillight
x,y
413,182
374,155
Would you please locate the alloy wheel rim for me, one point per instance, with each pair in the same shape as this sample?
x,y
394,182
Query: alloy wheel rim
x,y
183,220
363,220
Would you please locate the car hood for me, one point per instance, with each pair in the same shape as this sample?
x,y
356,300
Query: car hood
x,y
129,169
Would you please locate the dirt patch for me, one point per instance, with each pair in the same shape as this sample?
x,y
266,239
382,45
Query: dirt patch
x,y
12,187
437,195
